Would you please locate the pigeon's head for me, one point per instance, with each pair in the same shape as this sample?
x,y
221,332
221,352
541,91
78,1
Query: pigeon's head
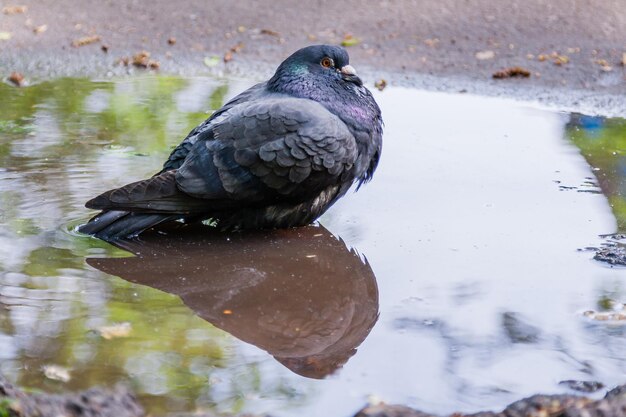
x,y
315,67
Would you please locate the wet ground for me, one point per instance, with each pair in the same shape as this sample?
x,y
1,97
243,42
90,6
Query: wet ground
x,y
461,279
573,49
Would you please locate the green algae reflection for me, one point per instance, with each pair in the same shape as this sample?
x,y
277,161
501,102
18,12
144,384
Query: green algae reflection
x,y
602,142
61,142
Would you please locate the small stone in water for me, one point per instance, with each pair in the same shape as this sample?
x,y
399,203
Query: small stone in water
x,y
115,330
57,373
583,386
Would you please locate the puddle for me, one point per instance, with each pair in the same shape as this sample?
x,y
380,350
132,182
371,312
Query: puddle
x,y
457,280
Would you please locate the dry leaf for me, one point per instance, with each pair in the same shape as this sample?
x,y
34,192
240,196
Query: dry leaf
x,y
142,60
57,373
604,64
483,55
237,48
560,59
40,29
115,330
512,72
14,9
349,40
270,32
86,40
16,78
211,61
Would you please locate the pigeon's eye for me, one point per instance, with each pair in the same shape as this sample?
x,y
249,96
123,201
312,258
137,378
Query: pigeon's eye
x,y
327,62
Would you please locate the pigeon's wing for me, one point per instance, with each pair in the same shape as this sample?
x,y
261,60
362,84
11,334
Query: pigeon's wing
x,y
267,151
178,155
270,150
158,194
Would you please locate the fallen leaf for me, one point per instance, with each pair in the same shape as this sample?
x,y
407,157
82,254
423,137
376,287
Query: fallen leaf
x,y
604,64
270,32
483,55
381,84
237,48
40,29
142,60
5,36
560,59
86,40
17,79
211,61
14,9
57,373
115,330
511,72
349,40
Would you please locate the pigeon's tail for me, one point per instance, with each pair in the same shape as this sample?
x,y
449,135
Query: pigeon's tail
x,y
116,224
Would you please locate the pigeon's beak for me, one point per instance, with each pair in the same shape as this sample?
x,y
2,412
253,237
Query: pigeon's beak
x,y
348,70
349,74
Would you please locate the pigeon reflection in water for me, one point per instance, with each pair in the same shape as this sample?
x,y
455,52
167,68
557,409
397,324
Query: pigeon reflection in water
x,y
299,294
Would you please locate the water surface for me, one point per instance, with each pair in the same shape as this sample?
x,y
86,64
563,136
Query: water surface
x,y
456,281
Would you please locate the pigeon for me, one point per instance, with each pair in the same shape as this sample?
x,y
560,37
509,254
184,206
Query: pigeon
x,y
278,155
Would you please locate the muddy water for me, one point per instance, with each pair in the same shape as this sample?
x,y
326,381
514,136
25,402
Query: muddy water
x,y
456,281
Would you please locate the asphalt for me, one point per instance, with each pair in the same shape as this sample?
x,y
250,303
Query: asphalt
x,y
573,49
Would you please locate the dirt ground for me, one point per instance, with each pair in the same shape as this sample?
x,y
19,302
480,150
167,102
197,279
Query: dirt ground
x,y
120,402
573,49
